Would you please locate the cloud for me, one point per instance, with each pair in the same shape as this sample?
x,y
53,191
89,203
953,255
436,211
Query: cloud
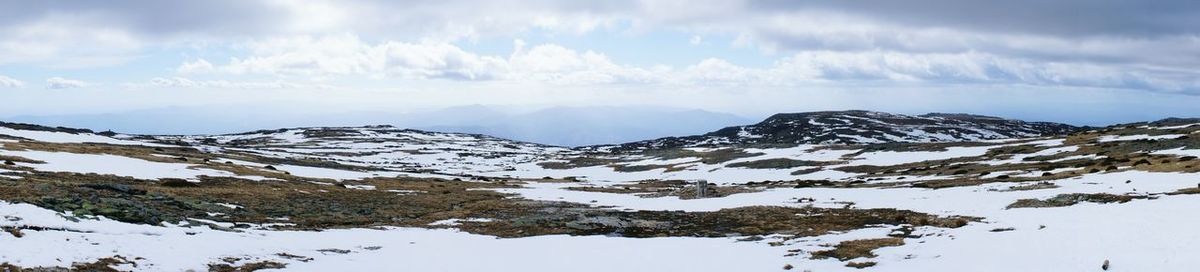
x,y
62,41
1087,18
195,67
465,18
63,83
8,82
834,67
341,55
79,34
348,55
180,82
83,34
1108,44
556,64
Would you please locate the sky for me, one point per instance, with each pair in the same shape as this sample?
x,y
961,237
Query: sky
x,y
1076,61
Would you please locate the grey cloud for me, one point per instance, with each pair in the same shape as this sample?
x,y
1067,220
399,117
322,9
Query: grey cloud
x,y
153,17
411,19
1062,18
1130,44
1059,18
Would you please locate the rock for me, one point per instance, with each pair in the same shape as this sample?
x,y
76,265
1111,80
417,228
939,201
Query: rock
x,y
120,188
176,182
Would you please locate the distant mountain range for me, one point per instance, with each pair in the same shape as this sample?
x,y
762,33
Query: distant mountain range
x,y
599,126
576,126
562,126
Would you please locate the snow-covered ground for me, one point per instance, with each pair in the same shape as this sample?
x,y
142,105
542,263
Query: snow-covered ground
x,y
1114,138
1152,233
1142,235
1179,152
176,248
111,165
62,137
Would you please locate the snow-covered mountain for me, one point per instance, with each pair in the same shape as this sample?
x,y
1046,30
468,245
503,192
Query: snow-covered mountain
x,y
378,148
864,127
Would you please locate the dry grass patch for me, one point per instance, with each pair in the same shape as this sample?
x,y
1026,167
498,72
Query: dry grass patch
x,y
860,265
778,163
668,188
709,157
849,250
1030,187
1064,200
100,265
249,267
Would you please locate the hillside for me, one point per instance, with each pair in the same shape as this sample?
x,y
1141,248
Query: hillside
x,y
367,198
863,127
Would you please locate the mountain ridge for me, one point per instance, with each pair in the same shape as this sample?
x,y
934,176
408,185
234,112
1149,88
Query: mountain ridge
x,y
852,127
862,127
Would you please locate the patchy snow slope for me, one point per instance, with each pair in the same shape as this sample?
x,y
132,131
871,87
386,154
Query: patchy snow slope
x,y
111,165
175,248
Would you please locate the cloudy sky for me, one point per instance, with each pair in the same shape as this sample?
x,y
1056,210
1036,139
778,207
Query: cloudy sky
x,y
1078,61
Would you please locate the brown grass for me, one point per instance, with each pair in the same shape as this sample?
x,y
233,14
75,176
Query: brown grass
x,y
1064,200
849,250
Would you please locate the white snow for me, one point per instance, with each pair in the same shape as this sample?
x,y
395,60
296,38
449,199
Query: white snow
x,y
181,249
63,137
1090,232
1176,127
456,221
1114,138
111,165
1179,152
1141,235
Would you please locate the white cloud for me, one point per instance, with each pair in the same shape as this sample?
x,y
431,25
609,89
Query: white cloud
x,y
814,42
342,55
347,55
719,71
556,64
8,82
63,83
935,69
180,82
197,66
65,35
